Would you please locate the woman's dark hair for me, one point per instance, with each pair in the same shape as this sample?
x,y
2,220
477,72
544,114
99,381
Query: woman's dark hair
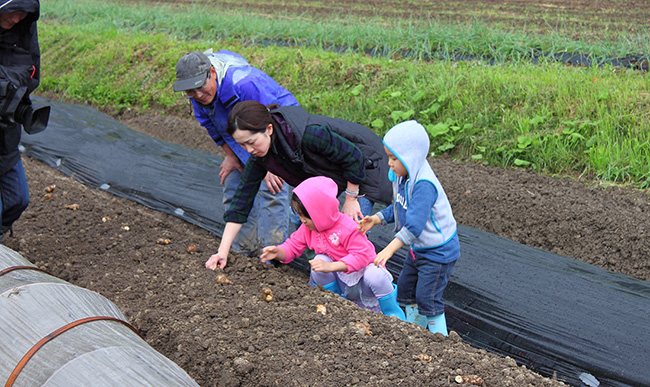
x,y
251,116
297,205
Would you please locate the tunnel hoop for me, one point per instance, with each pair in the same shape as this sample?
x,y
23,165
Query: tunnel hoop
x,y
21,364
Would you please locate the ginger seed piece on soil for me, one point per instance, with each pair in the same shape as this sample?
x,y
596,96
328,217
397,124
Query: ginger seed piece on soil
x,y
364,328
192,249
321,309
48,196
424,357
471,379
73,207
163,241
50,188
267,294
475,380
223,280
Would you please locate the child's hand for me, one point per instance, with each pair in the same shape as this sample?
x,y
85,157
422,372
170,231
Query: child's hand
x,y
382,258
388,252
319,265
367,223
215,260
269,253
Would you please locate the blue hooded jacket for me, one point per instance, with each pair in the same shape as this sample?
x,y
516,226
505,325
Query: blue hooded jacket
x,y
409,142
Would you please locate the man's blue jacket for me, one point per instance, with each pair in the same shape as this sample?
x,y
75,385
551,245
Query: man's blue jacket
x,y
241,82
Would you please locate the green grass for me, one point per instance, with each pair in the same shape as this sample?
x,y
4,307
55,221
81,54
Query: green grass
x,y
423,37
549,117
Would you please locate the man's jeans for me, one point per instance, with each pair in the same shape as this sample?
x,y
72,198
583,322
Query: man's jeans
x,y
15,197
268,221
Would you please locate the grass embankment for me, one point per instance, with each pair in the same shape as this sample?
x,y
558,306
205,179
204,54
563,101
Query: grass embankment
x,y
549,117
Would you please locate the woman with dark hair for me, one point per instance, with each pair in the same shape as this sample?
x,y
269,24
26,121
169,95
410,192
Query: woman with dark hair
x,y
296,145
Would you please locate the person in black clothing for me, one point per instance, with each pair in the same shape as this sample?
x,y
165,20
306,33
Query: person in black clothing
x,y
20,60
296,145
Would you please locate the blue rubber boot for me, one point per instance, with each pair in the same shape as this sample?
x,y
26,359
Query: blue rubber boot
x,y
333,287
438,324
413,316
389,305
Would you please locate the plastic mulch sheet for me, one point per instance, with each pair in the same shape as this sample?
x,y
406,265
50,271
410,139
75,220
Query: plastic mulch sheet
x,y
554,314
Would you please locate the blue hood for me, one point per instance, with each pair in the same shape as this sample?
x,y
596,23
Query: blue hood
x,y
409,142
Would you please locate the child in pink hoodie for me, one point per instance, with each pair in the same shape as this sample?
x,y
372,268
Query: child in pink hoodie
x,y
344,256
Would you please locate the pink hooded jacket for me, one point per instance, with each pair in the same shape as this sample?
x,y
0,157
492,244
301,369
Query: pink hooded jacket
x,y
336,236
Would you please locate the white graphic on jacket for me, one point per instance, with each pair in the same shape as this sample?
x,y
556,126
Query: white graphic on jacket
x,y
334,238
401,200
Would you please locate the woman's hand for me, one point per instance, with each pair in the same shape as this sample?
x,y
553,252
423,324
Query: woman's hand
x,y
367,223
274,182
221,257
351,208
216,260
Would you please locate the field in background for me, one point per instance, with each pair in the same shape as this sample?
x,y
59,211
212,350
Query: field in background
x,y
579,20
541,115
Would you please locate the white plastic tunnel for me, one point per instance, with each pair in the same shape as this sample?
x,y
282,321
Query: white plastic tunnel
x,y
53,333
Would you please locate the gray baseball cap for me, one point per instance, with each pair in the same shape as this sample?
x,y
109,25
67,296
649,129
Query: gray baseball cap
x,y
191,71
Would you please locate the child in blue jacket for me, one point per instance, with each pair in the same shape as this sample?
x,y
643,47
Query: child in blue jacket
x,y
423,220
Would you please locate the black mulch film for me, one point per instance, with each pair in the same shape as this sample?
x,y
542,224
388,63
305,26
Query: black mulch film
x,y
553,314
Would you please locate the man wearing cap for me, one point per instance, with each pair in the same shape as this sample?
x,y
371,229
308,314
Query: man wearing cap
x,y
215,82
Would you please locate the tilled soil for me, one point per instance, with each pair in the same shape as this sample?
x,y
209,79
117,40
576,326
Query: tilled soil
x,y
226,334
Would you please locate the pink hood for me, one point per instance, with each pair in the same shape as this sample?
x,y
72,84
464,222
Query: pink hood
x,y
336,234
318,195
